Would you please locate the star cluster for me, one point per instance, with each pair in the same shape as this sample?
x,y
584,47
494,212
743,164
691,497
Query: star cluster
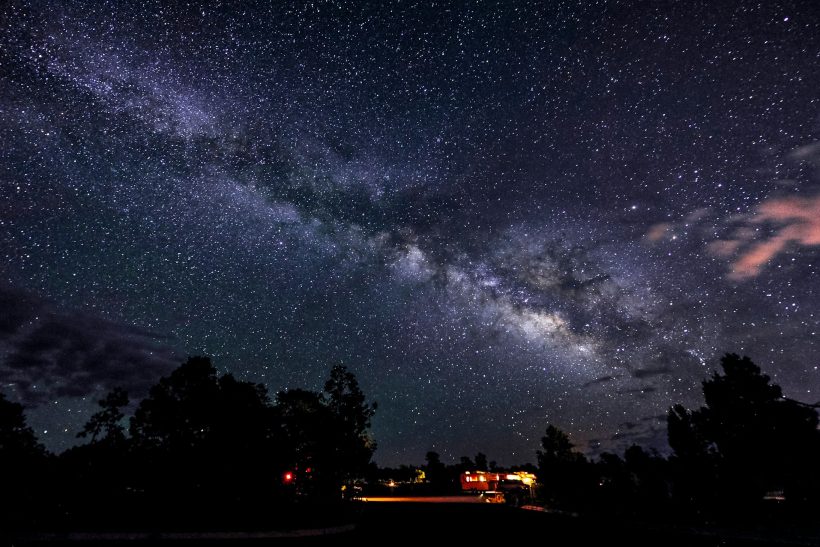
x,y
498,215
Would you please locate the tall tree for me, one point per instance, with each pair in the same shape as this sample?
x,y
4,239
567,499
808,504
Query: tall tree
x,y
106,424
206,436
557,448
758,439
466,464
17,439
22,460
685,435
180,411
307,428
562,470
351,414
436,471
327,434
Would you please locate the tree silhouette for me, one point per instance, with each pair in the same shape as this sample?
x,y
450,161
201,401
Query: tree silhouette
x,y
755,439
466,464
91,476
436,472
326,435
649,488
557,448
106,424
17,439
306,425
209,440
561,470
179,412
481,462
202,448
21,461
350,415
686,437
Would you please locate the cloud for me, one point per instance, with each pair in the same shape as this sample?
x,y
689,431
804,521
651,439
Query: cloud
x,y
50,353
641,373
776,226
672,230
597,381
796,221
18,308
648,432
641,392
658,231
809,153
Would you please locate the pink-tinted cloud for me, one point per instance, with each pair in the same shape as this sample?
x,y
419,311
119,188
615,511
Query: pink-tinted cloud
x,y
773,227
798,223
658,231
725,247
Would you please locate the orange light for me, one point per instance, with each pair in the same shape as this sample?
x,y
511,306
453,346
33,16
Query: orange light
x,y
287,477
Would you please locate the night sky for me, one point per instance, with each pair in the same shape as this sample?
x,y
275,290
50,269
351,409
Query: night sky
x,y
498,215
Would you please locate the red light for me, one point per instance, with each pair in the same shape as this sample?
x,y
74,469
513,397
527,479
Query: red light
x,y
287,477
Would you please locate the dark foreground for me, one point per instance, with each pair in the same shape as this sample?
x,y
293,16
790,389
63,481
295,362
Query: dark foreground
x,y
465,523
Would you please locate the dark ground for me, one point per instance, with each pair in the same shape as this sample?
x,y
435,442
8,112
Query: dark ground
x,y
464,524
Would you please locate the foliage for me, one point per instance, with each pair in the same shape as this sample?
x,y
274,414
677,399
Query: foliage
x,y
106,424
747,440
562,470
205,445
436,472
350,416
17,439
22,459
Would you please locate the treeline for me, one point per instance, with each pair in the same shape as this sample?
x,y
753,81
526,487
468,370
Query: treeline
x,y
203,450
200,450
748,454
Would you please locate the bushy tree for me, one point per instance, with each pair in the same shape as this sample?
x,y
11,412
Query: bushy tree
x,y
106,424
562,471
748,438
180,411
206,436
306,425
351,415
327,435
202,449
436,472
556,448
17,439
22,459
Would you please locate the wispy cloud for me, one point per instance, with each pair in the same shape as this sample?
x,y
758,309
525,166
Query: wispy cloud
x,y
50,353
754,239
597,381
648,372
796,222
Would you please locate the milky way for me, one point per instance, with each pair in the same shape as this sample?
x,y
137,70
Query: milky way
x,y
497,215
